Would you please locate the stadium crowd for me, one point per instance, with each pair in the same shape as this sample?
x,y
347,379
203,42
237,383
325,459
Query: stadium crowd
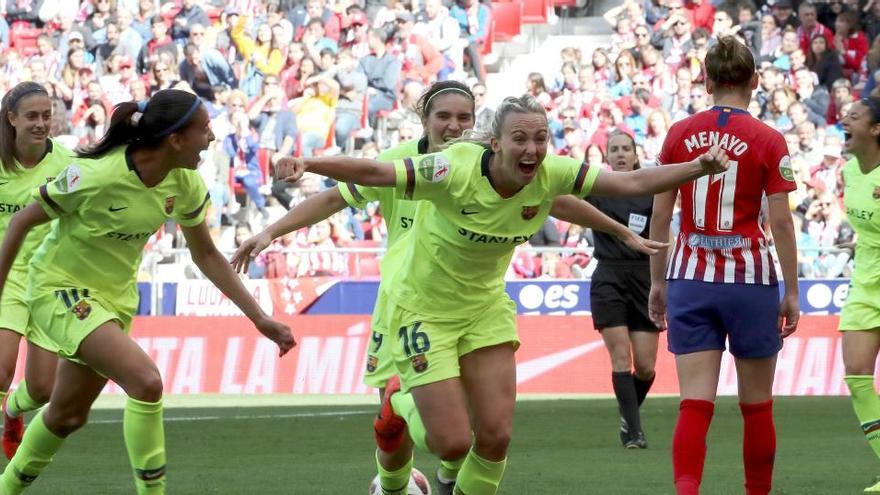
x,y
309,77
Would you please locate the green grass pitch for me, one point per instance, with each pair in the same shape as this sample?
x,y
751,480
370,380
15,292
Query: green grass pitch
x,y
560,447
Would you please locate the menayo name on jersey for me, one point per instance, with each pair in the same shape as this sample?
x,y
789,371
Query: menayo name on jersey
x,y
721,239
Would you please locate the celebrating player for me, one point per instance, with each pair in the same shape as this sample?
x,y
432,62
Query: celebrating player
x,y
81,286
619,298
447,109
29,159
860,317
722,280
453,329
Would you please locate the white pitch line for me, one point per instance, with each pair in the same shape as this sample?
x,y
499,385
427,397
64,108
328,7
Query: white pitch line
x,y
175,419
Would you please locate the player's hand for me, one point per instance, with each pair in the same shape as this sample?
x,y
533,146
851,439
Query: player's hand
x,y
714,161
641,245
276,332
289,169
657,305
789,314
249,250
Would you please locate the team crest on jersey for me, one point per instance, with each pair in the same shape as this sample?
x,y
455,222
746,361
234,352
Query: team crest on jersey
x,y
419,363
529,212
876,194
49,179
372,363
82,309
434,168
785,169
169,204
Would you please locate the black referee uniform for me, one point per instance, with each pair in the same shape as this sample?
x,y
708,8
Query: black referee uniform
x,y
622,280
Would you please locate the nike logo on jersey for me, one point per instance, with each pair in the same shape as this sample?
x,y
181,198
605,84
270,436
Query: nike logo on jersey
x,y
465,211
117,209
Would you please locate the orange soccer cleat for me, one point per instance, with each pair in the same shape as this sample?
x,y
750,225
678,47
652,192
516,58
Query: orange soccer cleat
x,y
13,430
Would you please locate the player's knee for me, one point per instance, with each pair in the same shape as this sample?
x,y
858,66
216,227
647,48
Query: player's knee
x,y
451,447
6,374
63,422
621,359
40,390
147,386
494,439
644,370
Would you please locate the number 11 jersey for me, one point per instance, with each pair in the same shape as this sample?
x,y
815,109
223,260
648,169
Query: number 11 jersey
x,y
721,238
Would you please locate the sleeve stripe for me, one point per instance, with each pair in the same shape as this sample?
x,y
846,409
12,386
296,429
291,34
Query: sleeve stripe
x,y
355,193
195,213
410,178
44,193
579,181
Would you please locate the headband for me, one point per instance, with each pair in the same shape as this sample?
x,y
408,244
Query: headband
x,y
183,120
875,110
32,89
428,102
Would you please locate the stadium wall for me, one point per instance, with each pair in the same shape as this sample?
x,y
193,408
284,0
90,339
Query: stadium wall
x,y
558,355
332,296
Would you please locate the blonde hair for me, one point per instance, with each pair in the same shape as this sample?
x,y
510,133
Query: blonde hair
x,y
524,104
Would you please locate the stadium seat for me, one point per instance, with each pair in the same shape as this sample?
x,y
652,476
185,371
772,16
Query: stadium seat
x,y
507,20
23,38
489,45
534,11
363,265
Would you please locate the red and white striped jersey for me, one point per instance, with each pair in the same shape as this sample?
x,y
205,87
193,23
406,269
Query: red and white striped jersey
x,y
721,238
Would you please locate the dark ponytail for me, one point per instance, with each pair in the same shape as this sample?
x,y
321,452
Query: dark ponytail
x,y
424,105
8,105
145,123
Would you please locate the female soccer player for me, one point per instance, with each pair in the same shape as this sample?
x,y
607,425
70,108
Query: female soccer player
x,y
619,297
81,287
722,280
453,329
29,159
447,110
860,318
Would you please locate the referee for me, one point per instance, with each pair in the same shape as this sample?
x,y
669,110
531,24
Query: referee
x,y
619,297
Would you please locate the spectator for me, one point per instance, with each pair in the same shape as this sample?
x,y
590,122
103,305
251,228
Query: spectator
x,y
474,19
824,61
189,15
850,43
484,114
316,10
383,75
164,74
658,125
436,24
536,87
352,90
811,27
829,11
243,149
160,43
676,39
815,98
316,112
421,61
142,22
204,71
315,41
276,126
783,13
357,37
99,18
130,40
261,57
871,21
771,36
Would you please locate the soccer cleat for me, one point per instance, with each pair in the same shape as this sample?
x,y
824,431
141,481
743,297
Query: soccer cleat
x,y
13,430
637,441
388,427
875,488
445,487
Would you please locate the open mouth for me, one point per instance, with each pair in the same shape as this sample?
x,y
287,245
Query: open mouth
x,y
528,167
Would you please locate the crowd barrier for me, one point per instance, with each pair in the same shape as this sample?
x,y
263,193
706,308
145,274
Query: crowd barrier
x,y
324,296
558,355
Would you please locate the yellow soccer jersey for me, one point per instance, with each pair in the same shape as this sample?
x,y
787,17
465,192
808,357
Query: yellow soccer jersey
x,y
105,216
454,260
15,193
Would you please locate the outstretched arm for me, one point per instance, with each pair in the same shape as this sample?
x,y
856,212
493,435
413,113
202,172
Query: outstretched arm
x,y
309,212
21,223
574,210
648,181
212,263
342,168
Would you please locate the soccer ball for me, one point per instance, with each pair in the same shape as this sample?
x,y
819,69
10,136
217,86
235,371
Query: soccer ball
x,y
418,484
